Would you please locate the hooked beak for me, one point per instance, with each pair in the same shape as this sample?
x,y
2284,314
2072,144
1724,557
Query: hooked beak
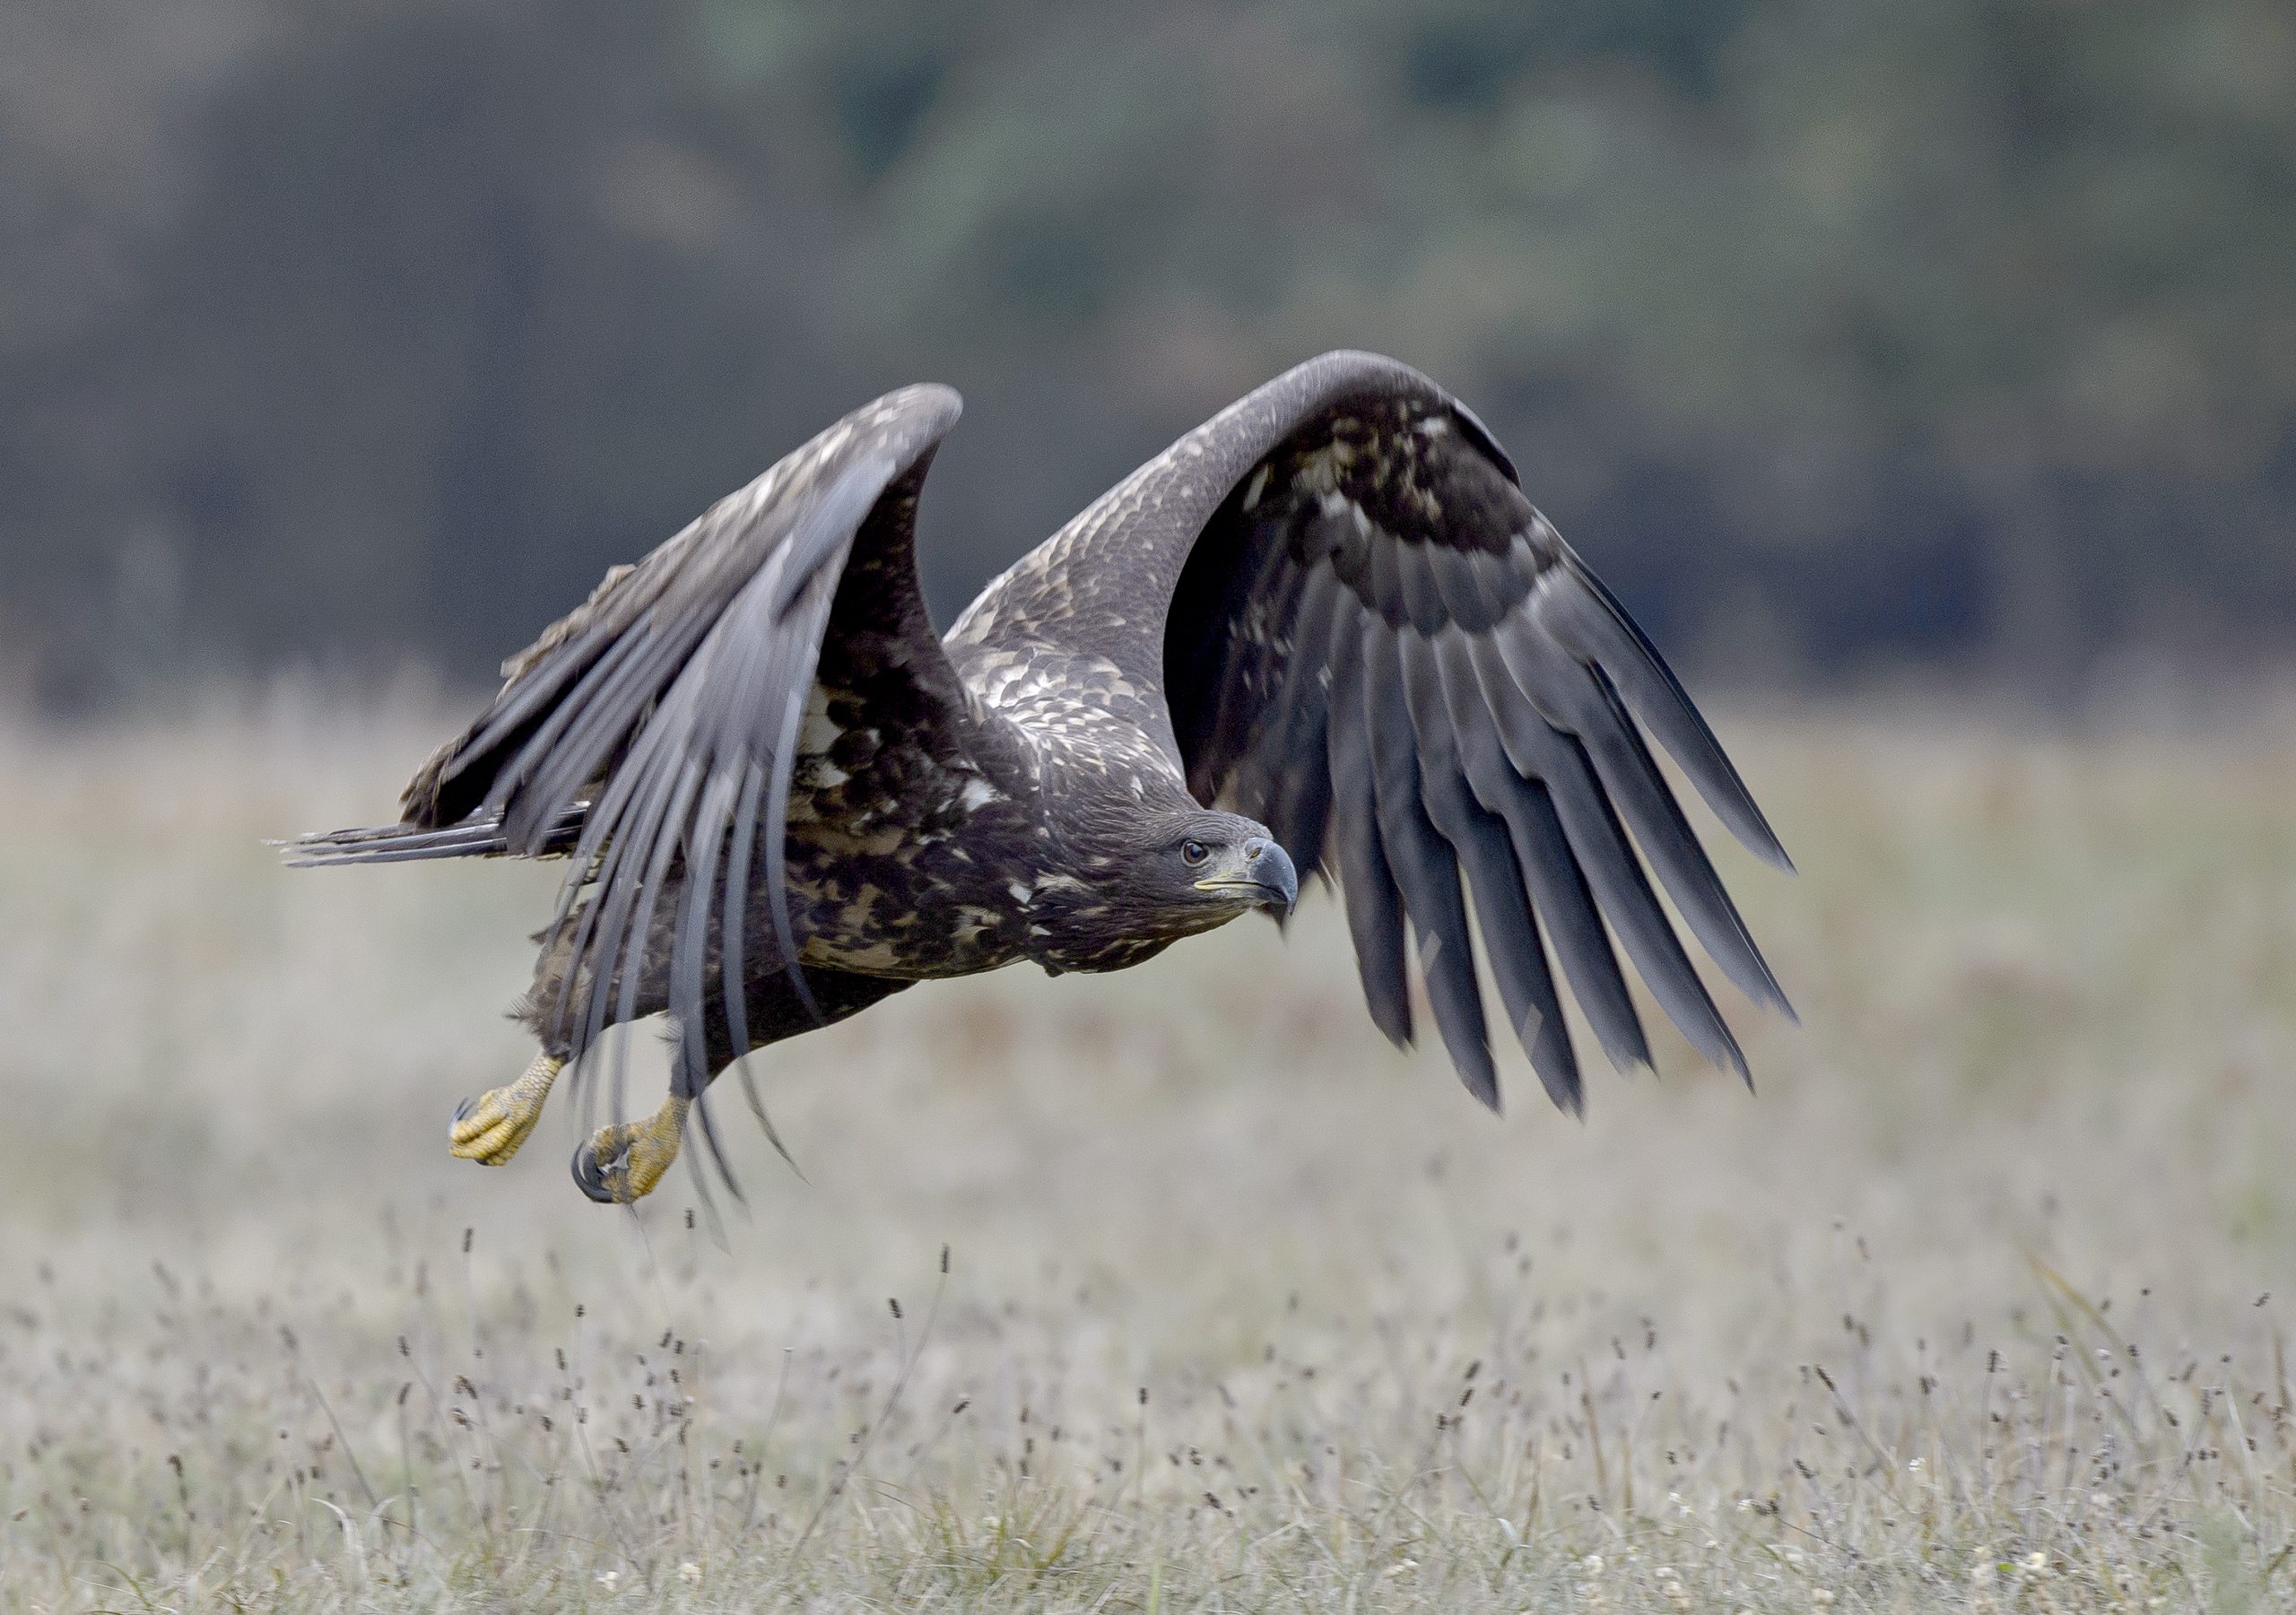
x,y
1260,872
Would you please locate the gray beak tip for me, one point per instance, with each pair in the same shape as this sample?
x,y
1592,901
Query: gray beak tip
x,y
1273,869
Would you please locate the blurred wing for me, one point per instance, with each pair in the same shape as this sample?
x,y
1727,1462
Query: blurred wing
x,y
1345,619
658,723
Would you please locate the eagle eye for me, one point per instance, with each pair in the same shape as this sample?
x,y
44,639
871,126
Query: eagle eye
x,y
1193,852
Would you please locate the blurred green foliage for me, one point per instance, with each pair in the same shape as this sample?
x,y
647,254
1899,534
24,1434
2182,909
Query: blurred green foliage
x,y
1839,334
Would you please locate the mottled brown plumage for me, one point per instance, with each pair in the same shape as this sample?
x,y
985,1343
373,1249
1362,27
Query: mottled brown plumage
x,y
1327,621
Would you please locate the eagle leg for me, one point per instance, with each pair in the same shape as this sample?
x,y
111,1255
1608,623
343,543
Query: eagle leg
x,y
623,1162
489,1128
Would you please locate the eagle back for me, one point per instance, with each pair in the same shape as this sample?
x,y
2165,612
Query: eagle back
x,y
1079,620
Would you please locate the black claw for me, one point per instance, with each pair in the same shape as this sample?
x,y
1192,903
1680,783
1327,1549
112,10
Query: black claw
x,y
589,1176
463,1110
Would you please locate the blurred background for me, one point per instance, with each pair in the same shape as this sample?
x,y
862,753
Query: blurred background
x,y
1923,376
1852,341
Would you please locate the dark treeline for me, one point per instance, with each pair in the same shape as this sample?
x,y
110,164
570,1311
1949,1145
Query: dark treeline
x,y
1842,333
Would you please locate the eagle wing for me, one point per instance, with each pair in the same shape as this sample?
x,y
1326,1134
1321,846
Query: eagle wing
x,y
659,723
1333,609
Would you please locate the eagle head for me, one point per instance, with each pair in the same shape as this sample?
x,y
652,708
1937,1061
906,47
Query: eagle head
x,y
1165,875
1221,863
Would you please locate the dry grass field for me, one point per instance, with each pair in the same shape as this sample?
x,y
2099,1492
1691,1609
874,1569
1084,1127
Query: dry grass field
x,y
1979,1303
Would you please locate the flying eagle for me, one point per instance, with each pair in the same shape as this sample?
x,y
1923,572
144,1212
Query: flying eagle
x,y
1325,631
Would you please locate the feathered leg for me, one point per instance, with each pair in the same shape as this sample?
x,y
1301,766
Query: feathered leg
x,y
625,1160
620,1163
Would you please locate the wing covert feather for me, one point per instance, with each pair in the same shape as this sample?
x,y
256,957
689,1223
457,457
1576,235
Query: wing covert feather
x,y
652,732
1340,615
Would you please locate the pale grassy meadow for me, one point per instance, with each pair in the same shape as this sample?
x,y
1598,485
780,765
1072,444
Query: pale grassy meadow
x,y
1979,1302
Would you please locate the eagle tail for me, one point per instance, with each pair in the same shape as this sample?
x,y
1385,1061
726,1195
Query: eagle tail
x,y
480,836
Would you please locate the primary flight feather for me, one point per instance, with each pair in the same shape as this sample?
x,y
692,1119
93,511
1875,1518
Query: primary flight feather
x,y
1325,631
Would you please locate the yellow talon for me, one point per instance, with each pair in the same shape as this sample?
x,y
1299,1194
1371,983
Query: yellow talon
x,y
489,1128
623,1162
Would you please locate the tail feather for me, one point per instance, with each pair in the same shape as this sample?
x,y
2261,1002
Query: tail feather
x,y
480,836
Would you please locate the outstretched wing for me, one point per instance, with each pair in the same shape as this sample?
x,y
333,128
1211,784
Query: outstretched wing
x,y
1338,612
652,733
